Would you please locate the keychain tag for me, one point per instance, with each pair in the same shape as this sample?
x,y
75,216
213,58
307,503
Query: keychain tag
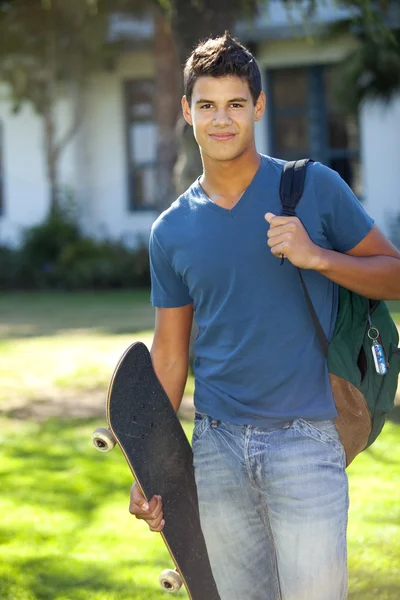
x,y
377,352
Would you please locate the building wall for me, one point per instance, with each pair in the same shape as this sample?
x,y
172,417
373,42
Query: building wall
x,y
380,143
301,52
24,188
379,124
105,191
93,165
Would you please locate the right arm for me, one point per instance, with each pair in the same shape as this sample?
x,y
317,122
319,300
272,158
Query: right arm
x,y
170,357
170,350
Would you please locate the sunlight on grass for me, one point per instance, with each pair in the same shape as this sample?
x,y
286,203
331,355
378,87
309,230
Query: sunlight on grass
x,y
66,533
374,519
69,536
80,338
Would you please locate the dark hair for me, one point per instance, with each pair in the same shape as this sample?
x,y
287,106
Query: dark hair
x,y
219,57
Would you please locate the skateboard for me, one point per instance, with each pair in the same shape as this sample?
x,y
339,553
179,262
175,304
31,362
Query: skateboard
x,y
142,421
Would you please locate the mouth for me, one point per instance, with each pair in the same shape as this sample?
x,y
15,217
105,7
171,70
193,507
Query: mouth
x,y
222,137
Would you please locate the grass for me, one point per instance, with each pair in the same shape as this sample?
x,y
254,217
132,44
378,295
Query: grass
x,y
54,342
66,533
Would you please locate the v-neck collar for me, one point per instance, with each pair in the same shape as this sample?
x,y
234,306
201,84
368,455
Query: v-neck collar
x,y
229,212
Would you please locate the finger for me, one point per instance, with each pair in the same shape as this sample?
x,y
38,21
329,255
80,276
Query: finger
x,y
269,216
155,511
141,508
150,515
159,527
279,240
137,497
279,251
280,229
155,523
275,221
137,511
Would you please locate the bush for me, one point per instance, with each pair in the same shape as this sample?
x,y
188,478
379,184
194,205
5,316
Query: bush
x,y
9,268
56,255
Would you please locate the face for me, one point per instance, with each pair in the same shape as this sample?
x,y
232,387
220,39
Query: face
x,y
223,114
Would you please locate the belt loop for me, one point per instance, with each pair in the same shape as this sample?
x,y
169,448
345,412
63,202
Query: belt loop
x,y
215,423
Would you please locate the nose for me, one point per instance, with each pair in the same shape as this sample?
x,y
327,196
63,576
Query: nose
x,y
221,118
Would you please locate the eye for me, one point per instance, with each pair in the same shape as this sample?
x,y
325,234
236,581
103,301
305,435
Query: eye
x,y
235,105
206,106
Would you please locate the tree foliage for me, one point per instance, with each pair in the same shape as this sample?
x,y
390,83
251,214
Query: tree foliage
x,y
372,70
49,49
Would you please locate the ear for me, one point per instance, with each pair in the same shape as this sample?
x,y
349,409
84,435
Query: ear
x,y
259,109
187,114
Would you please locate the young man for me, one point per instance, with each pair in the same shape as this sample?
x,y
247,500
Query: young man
x,y
269,465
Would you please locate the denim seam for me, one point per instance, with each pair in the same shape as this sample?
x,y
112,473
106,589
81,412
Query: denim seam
x,y
346,591
336,445
322,431
266,522
267,525
246,457
200,429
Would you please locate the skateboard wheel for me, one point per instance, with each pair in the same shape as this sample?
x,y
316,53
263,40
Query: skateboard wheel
x,y
103,440
170,581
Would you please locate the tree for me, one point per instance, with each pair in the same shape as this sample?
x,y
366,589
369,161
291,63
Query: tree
x,y
192,21
49,48
372,71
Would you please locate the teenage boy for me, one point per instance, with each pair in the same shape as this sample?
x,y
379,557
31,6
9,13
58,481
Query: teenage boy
x,y
269,465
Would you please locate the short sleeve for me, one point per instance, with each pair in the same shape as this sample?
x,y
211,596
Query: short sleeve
x,y
344,219
167,288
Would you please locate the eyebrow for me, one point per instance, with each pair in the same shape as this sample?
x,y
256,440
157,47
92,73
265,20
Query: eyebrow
x,y
203,101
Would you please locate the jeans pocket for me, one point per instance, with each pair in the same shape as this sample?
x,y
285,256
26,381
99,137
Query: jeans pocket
x,y
325,432
201,424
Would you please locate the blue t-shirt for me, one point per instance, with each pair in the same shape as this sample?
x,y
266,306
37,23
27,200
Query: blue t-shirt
x,y
258,360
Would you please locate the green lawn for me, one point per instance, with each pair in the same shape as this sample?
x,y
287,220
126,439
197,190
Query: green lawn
x,y
66,533
54,342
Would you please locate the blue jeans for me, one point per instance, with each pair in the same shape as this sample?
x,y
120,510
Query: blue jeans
x,y
273,508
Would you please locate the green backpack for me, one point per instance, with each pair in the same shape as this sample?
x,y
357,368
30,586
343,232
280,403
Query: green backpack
x,y
363,396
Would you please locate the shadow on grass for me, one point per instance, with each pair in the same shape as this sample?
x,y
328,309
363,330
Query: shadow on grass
x,y
45,314
55,466
39,331
64,576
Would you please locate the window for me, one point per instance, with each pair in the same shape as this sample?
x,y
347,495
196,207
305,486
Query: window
x,y
141,143
305,121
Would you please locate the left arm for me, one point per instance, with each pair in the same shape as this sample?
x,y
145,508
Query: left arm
x,y
371,268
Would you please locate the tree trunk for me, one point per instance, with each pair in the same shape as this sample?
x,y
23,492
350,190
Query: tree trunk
x,y
168,96
192,22
50,94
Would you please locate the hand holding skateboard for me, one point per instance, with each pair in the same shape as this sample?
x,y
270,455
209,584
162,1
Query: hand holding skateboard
x,y
142,421
151,512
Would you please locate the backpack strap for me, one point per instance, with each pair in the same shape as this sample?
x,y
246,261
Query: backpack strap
x,y
291,190
292,185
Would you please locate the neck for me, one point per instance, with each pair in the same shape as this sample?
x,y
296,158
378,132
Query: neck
x,y
230,177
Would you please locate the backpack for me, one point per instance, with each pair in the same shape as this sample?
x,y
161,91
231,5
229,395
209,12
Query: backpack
x,y
363,397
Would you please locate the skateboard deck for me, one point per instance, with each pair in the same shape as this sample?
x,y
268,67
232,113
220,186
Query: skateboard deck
x,y
144,424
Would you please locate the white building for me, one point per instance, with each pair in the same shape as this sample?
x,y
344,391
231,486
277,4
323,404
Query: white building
x,y
109,164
